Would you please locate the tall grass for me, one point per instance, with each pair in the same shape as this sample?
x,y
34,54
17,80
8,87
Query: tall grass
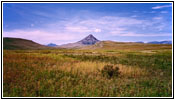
x,y
63,73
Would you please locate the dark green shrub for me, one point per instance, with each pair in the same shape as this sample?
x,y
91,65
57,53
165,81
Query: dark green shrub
x,y
110,71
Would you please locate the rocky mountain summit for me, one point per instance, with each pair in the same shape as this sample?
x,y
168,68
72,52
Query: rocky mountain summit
x,y
89,40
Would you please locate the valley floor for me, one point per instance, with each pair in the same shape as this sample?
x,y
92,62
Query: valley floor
x,y
78,73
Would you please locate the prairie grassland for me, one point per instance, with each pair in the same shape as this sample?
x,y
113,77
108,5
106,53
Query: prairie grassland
x,y
77,73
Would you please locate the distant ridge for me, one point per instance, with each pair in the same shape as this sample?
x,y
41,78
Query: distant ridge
x,y
139,42
18,43
52,45
160,42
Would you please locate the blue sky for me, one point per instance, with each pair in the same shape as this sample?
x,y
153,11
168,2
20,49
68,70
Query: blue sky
x,y
62,23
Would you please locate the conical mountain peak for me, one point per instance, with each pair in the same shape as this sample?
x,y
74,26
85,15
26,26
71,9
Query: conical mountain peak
x,y
90,36
89,40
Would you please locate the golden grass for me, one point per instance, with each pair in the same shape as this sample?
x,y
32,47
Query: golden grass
x,y
132,71
87,67
83,67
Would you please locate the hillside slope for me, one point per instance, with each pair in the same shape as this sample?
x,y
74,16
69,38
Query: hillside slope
x,y
111,45
18,43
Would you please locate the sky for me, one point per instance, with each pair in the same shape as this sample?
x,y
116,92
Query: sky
x,y
62,23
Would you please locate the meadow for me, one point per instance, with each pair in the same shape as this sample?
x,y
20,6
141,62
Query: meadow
x,y
81,73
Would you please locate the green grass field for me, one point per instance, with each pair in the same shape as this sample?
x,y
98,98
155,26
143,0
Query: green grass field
x,y
143,72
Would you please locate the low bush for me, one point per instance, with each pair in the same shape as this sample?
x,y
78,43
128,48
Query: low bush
x,y
110,71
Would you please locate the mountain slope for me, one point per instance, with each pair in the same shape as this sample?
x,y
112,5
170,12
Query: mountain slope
x,y
89,40
18,43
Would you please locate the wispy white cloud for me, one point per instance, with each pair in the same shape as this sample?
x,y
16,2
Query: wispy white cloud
x,y
160,7
41,36
134,16
143,35
135,11
164,12
31,25
153,12
43,14
97,30
157,18
77,28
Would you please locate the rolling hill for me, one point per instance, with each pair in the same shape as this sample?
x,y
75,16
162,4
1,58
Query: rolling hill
x,y
18,43
111,45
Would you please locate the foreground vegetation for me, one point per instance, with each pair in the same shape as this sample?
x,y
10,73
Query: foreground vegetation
x,y
81,73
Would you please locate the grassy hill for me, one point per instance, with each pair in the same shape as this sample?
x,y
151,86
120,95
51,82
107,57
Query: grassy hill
x,y
20,44
111,45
